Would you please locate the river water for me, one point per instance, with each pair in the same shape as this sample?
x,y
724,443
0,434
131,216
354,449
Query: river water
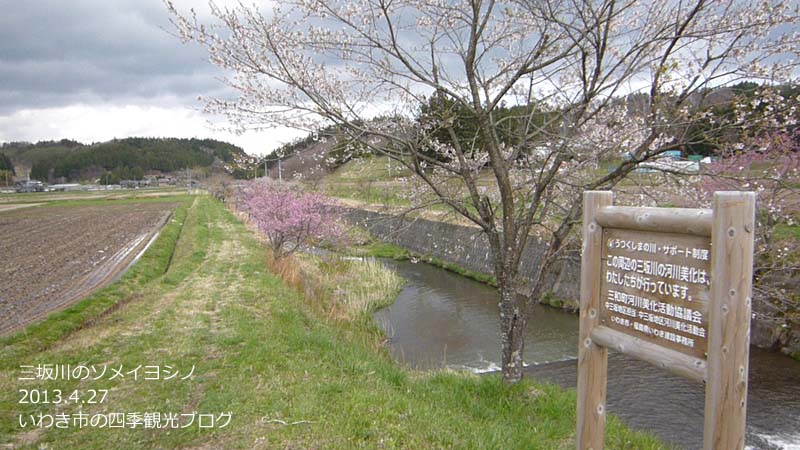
x,y
441,319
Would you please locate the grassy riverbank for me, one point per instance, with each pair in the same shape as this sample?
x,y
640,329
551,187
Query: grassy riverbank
x,y
377,249
291,374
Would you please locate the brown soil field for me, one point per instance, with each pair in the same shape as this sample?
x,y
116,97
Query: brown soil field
x,y
54,256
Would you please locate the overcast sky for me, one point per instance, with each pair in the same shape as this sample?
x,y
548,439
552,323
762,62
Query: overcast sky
x,y
93,70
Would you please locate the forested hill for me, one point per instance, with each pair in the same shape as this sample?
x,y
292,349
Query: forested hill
x,y
124,158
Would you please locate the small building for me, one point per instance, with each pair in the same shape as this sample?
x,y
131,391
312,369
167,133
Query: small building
x,y
669,165
67,187
104,187
135,184
29,186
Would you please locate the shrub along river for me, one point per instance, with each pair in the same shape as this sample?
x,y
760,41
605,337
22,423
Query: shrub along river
x,y
441,319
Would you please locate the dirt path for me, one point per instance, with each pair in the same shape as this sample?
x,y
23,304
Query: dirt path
x,y
4,208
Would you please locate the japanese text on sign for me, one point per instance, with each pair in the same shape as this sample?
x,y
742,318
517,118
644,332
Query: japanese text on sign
x,y
655,286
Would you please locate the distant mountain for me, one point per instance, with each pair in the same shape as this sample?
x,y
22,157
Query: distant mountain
x,y
129,158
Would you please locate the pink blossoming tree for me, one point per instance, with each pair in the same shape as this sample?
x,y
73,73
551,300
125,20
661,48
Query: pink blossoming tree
x,y
769,165
289,218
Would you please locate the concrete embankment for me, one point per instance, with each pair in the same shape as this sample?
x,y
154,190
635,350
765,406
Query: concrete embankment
x,y
468,248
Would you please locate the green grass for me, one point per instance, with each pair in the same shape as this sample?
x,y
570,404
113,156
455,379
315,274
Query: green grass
x,y
39,197
367,193
377,249
365,180
787,232
478,276
117,201
368,168
550,299
291,378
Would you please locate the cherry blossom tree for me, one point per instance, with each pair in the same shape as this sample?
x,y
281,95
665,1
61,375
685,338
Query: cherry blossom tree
x,y
289,218
769,165
553,90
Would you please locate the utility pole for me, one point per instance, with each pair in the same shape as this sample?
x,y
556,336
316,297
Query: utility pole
x,y
280,170
265,167
188,181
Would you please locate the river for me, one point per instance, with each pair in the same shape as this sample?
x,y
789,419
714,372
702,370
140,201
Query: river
x,y
441,319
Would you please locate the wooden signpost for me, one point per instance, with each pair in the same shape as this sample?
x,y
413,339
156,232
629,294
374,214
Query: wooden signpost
x,y
672,287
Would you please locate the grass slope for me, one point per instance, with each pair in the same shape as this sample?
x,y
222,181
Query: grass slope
x,y
292,379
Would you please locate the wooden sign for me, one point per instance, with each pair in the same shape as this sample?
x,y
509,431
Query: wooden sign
x,y
672,287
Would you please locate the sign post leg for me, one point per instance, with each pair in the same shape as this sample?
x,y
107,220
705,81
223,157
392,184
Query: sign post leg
x,y
729,320
592,358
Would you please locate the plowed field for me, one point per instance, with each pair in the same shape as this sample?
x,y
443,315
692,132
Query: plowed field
x,y
53,256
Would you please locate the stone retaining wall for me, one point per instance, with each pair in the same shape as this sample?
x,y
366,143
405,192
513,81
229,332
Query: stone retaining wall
x,y
468,248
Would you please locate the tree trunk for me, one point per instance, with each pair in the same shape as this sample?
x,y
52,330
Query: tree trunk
x,y
512,326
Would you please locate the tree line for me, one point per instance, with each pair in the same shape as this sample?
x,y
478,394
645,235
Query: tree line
x,y
118,159
717,130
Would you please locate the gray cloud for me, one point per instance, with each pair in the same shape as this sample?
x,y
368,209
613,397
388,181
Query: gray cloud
x,y
55,53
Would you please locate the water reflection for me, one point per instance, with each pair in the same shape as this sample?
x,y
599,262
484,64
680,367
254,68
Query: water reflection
x,y
651,399
441,319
